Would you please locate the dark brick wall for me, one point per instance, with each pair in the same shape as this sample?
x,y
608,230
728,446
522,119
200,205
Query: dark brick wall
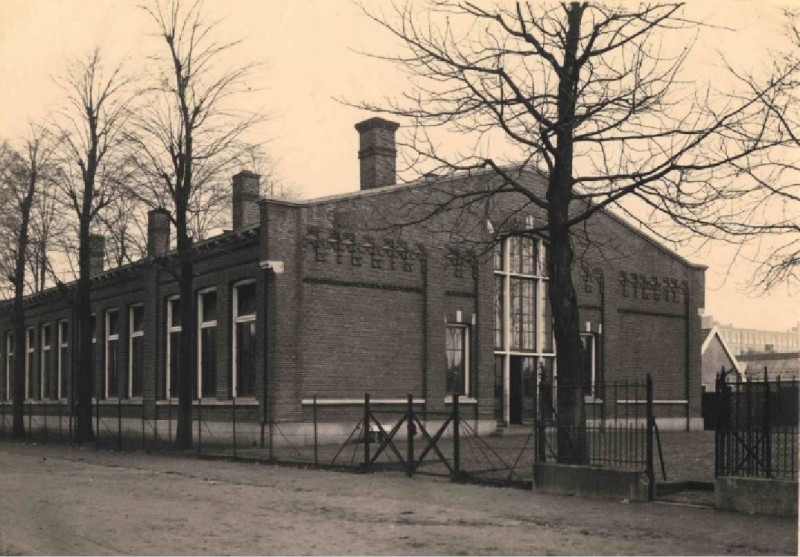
x,y
361,306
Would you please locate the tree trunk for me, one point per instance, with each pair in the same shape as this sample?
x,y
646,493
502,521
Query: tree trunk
x,y
18,427
188,353
571,437
18,318
83,374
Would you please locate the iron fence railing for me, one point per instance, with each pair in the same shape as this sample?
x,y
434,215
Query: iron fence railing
x,y
374,434
756,428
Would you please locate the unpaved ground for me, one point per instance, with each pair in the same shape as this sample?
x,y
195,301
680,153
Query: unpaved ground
x,y
79,501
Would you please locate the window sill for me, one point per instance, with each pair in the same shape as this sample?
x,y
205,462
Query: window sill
x,y
461,400
657,401
249,401
592,400
117,401
358,401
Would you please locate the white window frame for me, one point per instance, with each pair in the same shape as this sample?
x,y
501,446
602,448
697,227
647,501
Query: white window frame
x,y
132,334
465,346
237,319
9,355
200,326
63,342
110,338
541,281
170,329
30,350
44,349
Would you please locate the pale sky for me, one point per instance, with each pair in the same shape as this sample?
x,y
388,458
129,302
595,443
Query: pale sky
x,y
310,55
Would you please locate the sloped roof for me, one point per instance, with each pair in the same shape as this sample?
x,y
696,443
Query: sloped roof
x,y
713,333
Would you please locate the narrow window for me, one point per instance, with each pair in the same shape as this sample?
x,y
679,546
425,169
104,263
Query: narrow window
x,y
207,343
457,355
588,375
547,319
523,313
30,348
112,371
173,347
499,314
98,386
45,377
63,357
244,345
136,351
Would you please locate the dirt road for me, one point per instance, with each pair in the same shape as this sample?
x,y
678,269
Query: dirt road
x,y
78,501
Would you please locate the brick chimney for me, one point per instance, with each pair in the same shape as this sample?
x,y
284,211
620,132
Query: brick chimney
x,y
377,152
97,254
246,189
157,232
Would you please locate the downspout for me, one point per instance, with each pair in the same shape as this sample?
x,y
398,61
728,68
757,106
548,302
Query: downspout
x,y
475,346
686,353
264,318
156,346
425,356
602,285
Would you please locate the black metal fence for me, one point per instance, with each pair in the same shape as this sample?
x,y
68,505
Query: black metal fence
x,y
615,425
377,434
757,429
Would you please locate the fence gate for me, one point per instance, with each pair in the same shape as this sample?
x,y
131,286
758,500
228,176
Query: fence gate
x,y
756,429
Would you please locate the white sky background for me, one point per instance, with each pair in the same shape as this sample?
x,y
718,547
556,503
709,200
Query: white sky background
x,y
310,54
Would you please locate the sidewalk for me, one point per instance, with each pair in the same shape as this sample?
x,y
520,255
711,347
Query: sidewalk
x,y
81,501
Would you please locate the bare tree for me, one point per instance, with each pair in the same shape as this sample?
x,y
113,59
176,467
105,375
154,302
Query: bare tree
x,y
123,222
93,123
585,95
24,174
189,137
766,228
47,221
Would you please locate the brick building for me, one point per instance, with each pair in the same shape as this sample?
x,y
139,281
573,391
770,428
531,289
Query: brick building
x,y
718,356
331,298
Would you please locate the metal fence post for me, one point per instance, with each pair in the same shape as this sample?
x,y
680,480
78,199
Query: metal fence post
x,y
44,412
30,420
200,424
410,441
271,429
60,425
234,426
651,476
119,424
314,412
97,421
456,419
169,422
366,429
144,442
541,439
767,442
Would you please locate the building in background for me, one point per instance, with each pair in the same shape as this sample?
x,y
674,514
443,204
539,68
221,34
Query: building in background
x,y
747,341
774,366
718,357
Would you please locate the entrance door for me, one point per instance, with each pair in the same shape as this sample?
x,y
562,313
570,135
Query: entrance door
x,y
515,390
